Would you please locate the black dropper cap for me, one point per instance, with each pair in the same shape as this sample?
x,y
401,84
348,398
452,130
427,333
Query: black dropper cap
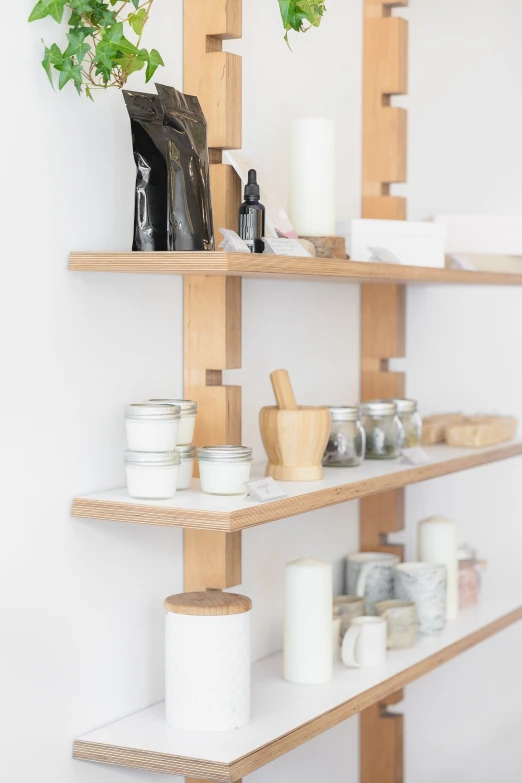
x,y
252,188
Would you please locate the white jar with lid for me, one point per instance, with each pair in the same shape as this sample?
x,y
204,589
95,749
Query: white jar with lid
x,y
187,455
152,475
224,469
189,409
152,427
207,661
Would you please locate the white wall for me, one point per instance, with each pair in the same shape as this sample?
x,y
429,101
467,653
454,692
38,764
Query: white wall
x,y
82,621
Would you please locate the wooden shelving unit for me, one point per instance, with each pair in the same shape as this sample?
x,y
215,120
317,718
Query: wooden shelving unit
x,y
284,716
281,268
193,509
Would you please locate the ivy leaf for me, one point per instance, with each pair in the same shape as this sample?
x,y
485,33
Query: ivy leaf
x,y
89,93
77,48
135,3
69,71
81,6
153,62
137,21
131,64
45,8
114,33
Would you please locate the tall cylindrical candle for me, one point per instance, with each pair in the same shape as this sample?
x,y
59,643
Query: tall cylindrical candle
x,y
308,621
312,191
438,544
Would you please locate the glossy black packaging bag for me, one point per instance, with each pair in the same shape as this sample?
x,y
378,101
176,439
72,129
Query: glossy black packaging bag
x,y
190,224
172,196
151,190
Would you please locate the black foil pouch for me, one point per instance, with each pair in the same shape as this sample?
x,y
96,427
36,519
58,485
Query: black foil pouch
x,y
151,193
190,224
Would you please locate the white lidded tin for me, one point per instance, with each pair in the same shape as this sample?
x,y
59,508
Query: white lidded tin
x,y
152,475
187,455
224,469
207,661
152,427
189,409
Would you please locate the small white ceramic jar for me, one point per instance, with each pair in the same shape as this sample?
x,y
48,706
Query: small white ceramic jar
x,y
152,427
224,469
189,409
187,455
152,476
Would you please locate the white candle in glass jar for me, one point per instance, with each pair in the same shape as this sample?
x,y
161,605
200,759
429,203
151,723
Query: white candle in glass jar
x,y
224,469
313,165
150,475
152,427
437,539
189,409
187,455
308,653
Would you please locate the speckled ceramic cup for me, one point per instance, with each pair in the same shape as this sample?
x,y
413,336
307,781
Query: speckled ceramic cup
x,y
425,585
348,607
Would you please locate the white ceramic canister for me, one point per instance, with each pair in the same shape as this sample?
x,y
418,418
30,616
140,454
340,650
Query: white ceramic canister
x,y
152,475
189,409
207,661
152,427
224,469
187,455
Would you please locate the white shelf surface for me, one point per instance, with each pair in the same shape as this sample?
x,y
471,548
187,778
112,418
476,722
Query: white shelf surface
x,y
285,715
193,508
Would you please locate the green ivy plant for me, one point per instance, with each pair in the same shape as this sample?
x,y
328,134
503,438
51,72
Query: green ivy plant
x,y
296,13
99,54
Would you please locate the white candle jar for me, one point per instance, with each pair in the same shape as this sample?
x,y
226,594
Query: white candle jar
x,y
224,469
151,476
207,661
152,427
189,409
187,455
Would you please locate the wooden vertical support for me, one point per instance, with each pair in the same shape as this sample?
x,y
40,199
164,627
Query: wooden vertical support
x,y
212,305
383,315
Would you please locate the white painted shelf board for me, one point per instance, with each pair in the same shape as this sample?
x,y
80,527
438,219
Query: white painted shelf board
x,y
285,715
193,508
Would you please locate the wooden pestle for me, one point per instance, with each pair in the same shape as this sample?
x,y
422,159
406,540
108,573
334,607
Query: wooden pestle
x,y
283,391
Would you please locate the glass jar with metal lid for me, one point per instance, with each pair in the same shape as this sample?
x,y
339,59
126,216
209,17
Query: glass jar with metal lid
x,y
383,428
187,455
224,469
411,421
152,475
189,409
152,426
346,444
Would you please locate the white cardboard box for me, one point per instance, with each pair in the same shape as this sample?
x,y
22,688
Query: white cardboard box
x,y
413,243
483,234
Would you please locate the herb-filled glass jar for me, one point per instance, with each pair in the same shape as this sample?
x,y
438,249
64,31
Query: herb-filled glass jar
x,y
383,428
189,409
187,455
152,426
346,444
152,476
411,421
224,469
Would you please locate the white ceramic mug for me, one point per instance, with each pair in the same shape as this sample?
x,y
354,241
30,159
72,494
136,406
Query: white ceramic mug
x,y
364,643
370,575
425,584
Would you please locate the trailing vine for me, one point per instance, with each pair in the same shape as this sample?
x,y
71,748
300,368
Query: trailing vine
x,y
99,54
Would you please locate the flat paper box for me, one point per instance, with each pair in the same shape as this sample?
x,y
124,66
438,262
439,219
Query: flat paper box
x,y
413,243
483,234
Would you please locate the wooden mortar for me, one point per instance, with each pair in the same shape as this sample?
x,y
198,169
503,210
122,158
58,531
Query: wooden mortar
x,y
294,437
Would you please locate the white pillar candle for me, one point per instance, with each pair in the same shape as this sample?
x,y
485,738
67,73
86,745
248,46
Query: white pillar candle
x,y
312,189
438,544
308,654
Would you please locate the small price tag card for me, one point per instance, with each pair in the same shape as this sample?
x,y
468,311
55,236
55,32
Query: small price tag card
x,y
284,247
383,255
459,261
264,490
415,456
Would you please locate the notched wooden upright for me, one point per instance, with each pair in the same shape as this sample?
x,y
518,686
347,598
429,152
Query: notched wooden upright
x,y
383,319
212,305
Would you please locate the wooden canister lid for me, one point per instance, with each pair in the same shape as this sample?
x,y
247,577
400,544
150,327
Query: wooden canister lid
x,y
211,603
